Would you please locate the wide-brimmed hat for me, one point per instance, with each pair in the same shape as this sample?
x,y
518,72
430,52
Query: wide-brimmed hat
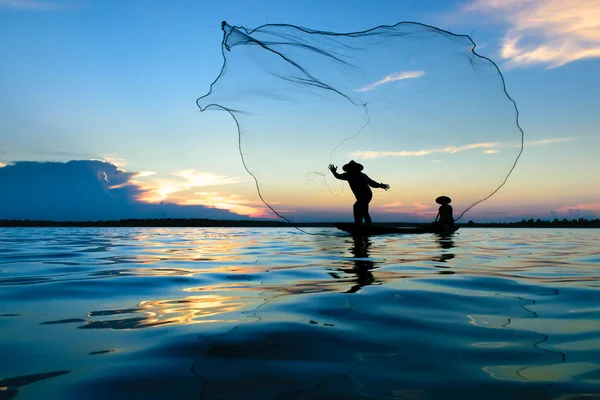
x,y
443,200
353,166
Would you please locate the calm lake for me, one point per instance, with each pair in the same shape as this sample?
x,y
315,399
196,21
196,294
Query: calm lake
x,y
267,313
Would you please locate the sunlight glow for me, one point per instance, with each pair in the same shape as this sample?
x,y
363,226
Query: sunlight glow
x,y
416,209
196,178
232,203
111,159
144,174
178,192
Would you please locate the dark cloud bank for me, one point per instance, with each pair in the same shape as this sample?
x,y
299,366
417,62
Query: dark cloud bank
x,y
81,191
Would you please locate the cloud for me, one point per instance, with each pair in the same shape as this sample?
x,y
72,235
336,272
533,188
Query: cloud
x,y
177,191
195,178
489,148
35,5
84,190
181,191
394,204
546,32
588,210
144,174
420,153
547,141
397,76
2,165
416,209
114,160
234,203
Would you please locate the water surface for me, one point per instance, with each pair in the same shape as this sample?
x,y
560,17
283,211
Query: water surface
x,y
227,313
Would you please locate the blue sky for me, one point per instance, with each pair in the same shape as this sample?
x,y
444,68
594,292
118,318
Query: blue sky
x,y
117,81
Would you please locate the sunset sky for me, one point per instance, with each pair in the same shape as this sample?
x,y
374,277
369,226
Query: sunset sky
x,y
105,91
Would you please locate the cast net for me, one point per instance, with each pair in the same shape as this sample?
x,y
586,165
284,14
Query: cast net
x,y
417,106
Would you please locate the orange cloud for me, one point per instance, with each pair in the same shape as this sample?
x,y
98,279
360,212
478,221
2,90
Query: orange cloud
x,y
160,189
144,174
583,210
417,209
592,206
178,191
195,178
394,204
234,203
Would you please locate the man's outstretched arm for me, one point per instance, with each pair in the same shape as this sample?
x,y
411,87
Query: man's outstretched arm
x,y
374,184
333,170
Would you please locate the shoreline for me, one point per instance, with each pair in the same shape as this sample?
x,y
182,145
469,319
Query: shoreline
x,y
212,223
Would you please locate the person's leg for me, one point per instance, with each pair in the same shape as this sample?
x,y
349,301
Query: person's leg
x,y
357,213
361,208
365,211
366,214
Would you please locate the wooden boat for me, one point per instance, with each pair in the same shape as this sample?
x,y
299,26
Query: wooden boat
x,y
368,230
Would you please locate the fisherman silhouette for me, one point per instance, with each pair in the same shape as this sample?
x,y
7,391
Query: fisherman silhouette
x,y
444,219
361,186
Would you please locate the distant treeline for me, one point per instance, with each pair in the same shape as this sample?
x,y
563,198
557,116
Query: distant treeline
x,y
538,223
215,223
157,223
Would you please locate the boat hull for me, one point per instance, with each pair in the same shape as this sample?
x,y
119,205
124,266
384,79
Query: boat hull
x,y
369,230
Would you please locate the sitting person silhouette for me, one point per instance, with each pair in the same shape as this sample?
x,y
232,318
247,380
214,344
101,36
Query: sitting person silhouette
x,y
444,219
359,183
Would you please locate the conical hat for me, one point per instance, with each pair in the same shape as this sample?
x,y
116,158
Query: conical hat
x,y
353,166
443,200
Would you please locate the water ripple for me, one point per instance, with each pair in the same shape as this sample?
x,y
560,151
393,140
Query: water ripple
x,y
273,314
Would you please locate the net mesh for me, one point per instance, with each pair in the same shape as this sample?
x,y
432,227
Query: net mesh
x,y
417,106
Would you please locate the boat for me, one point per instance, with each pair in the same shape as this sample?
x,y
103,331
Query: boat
x,y
375,229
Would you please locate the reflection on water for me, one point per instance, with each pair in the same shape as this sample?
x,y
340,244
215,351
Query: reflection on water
x,y
9,388
446,243
362,264
273,313
189,310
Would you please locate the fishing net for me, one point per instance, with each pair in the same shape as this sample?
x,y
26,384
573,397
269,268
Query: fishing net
x,y
414,104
